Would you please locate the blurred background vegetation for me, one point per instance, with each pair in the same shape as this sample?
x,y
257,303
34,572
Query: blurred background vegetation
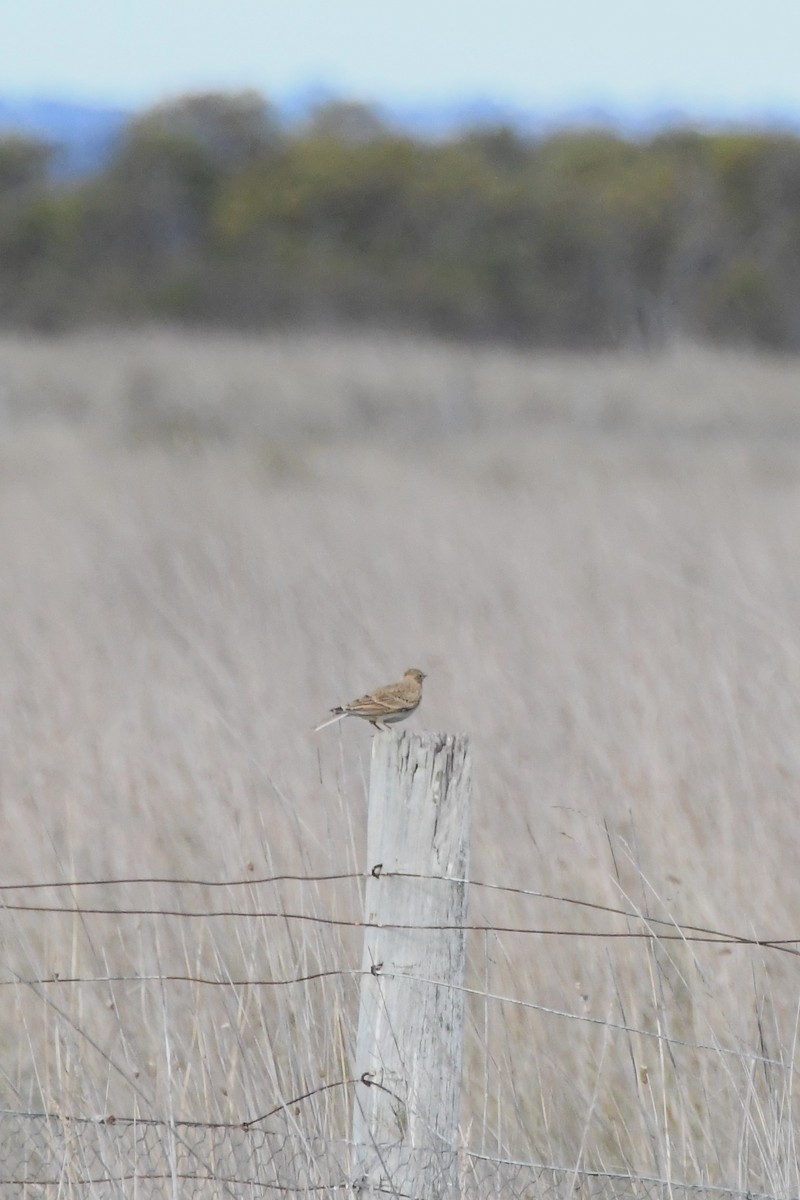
x,y
209,210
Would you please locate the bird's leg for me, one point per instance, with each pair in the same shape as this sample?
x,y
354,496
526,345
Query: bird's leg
x,y
379,724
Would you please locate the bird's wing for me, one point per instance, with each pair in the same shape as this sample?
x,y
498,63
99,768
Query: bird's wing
x,y
403,694
381,702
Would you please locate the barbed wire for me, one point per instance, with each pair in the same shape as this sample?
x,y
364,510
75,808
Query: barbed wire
x,y
111,1119
163,1123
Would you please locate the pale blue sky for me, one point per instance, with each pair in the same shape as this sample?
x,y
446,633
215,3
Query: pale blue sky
x,y
705,56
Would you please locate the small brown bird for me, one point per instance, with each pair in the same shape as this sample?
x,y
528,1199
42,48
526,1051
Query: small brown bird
x,y
385,706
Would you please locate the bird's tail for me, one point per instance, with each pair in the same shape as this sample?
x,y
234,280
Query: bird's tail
x,y
339,713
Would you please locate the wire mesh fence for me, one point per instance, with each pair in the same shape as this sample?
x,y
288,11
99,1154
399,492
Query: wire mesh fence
x,y
54,1154
111,1158
49,1155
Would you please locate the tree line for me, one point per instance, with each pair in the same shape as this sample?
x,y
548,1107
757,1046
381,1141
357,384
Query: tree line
x,y
209,211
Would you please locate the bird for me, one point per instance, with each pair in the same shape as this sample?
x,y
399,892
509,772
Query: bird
x,y
386,705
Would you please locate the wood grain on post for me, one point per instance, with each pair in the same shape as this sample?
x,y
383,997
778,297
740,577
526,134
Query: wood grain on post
x,y
410,1031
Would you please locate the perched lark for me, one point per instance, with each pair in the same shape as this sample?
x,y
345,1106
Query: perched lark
x,y
385,706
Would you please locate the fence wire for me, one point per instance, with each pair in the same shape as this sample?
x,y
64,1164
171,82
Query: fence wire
x,y
52,1156
49,1155
673,930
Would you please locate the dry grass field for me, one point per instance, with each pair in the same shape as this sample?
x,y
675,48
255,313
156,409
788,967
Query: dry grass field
x,y
205,542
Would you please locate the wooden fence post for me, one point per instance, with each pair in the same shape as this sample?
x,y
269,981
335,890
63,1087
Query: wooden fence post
x,y
410,1031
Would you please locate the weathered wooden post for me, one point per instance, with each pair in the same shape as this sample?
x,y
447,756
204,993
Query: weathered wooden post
x,y
410,1031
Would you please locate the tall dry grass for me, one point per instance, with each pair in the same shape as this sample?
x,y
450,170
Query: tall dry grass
x,y
206,542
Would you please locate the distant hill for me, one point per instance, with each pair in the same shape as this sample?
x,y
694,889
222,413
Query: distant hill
x,y
83,134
